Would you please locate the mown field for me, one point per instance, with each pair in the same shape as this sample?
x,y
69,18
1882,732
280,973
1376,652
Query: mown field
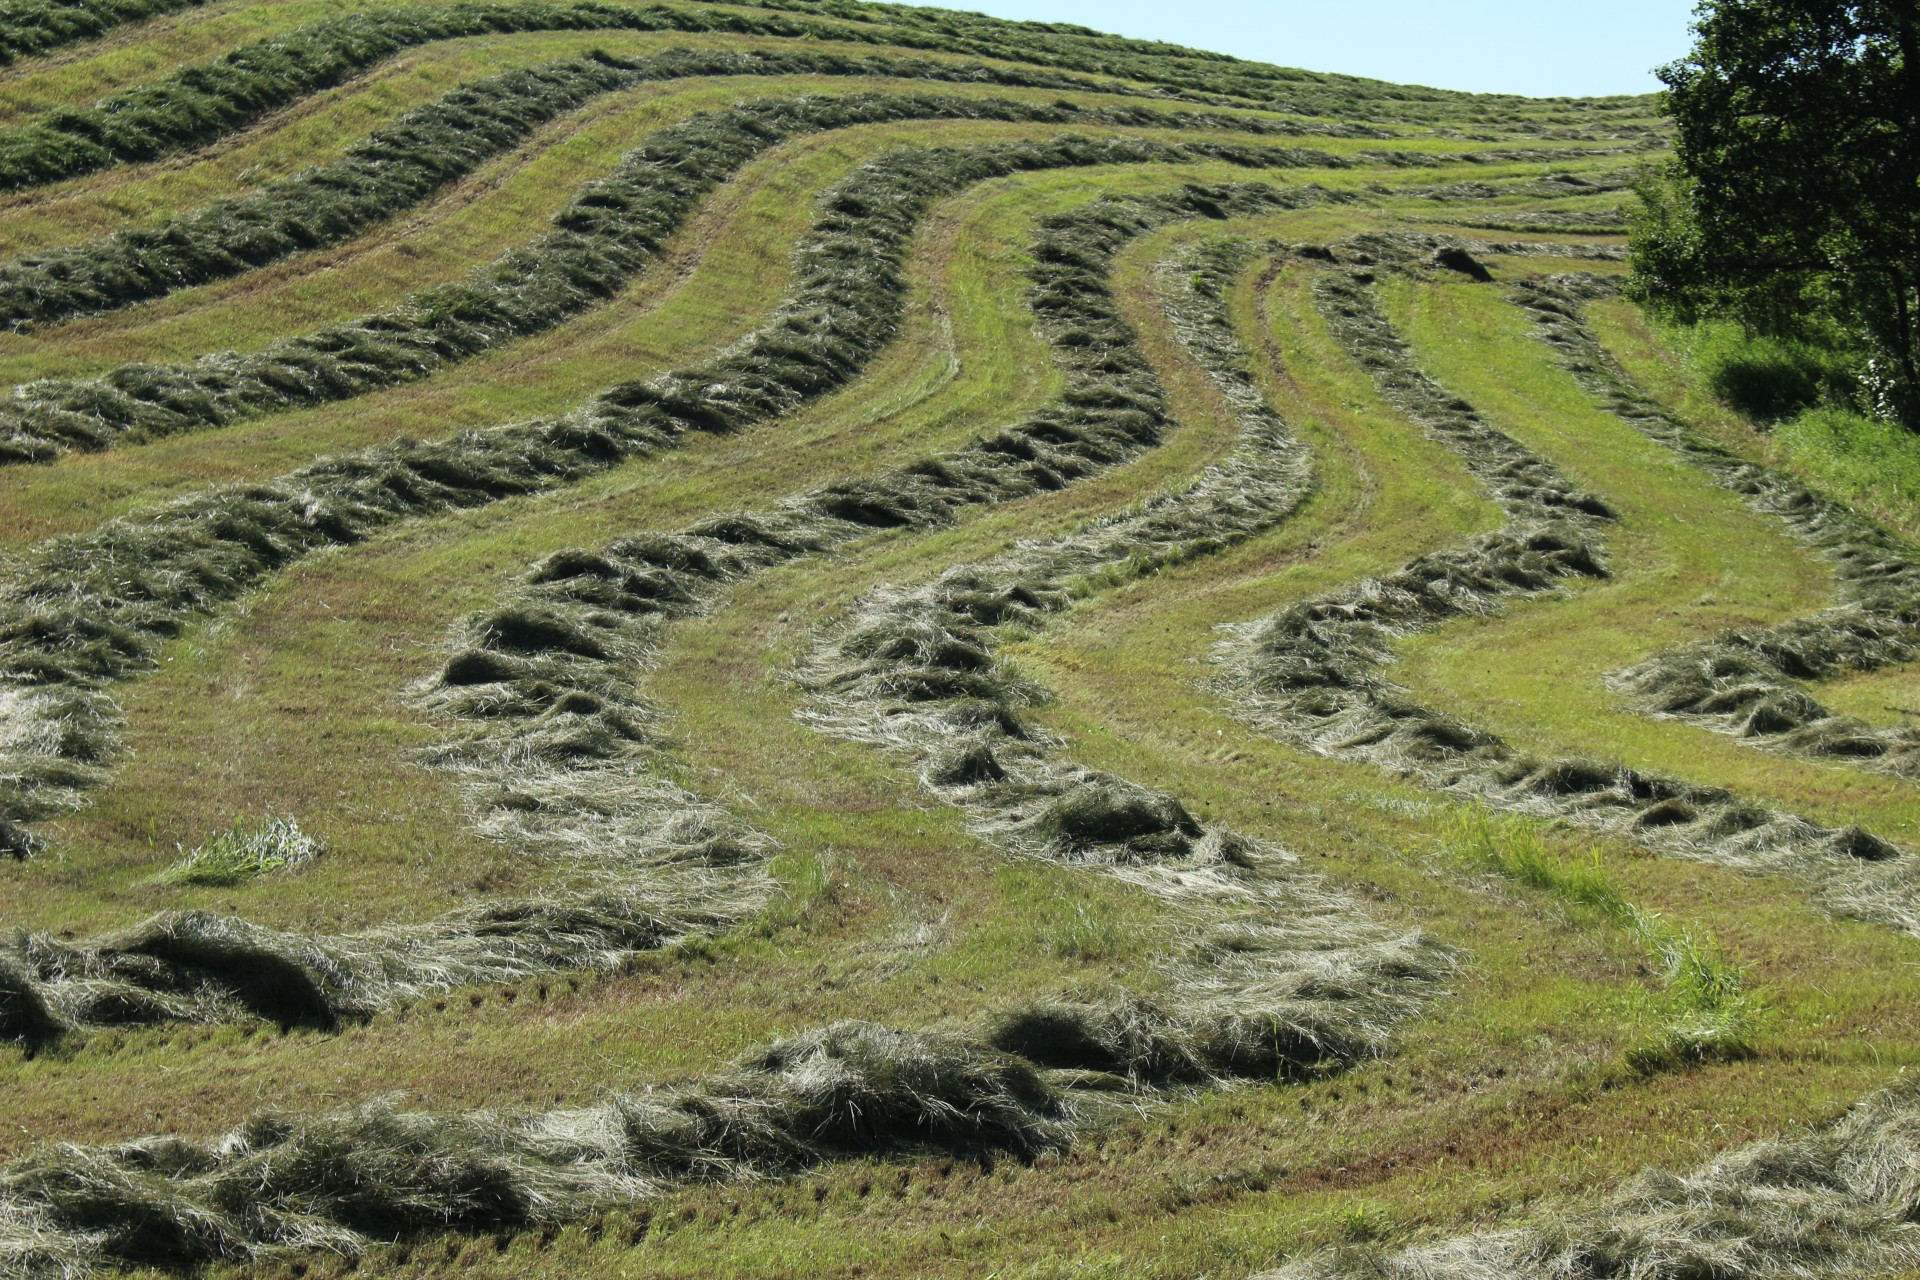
x,y
824,638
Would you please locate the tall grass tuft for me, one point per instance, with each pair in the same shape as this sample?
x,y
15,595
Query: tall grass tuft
x,y
1707,1011
241,853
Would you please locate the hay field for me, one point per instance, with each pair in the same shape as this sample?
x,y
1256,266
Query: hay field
x,y
823,638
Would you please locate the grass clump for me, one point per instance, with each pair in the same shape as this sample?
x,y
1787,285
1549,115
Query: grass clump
x,y
1708,1013
340,1181
242,853
1837,1202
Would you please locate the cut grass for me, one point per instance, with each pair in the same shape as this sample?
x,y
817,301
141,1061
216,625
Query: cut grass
x,y
312,640
1012,1215
690,290
1689,560
1516,1099
239,854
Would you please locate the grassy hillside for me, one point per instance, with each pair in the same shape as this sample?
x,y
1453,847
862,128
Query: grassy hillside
x,y
823,638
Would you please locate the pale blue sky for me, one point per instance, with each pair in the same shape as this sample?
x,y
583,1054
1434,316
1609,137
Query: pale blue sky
x,y
1538,47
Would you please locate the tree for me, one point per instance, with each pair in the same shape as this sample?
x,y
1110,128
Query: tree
x,y
1792,202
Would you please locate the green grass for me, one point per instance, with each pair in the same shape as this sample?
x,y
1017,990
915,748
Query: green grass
x,y
1688,561
1871,465
1705,1011
1613,1010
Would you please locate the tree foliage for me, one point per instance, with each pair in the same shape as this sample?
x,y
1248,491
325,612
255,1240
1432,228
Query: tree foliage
x,y
1792,202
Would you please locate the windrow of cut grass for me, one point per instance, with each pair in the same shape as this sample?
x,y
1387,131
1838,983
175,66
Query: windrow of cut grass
x,y
638,865
392,169
1314,671
1837,1201
978,481
613,229
491,212
86,611
1340,101
666,316
162,746
1340,984
323,128
539,665
1361,1152
198,104
913,670
29,27
1396,1167
691,303
500,208
1690,560
336,1183
477,73
1748,682
1220,74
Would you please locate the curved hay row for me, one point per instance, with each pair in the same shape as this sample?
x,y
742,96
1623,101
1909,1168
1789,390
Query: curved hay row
x,y
197,104
1838,1202
913,670
89,610
30,29
399,163
611,729
690,301
313,718
1312,673
1196,75
610,231
391,170
1335,982
416,335
1224,968
1747,683
374,605
1689,560
1457,1152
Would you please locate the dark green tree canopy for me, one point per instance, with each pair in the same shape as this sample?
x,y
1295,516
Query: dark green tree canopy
x,y
1793,199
